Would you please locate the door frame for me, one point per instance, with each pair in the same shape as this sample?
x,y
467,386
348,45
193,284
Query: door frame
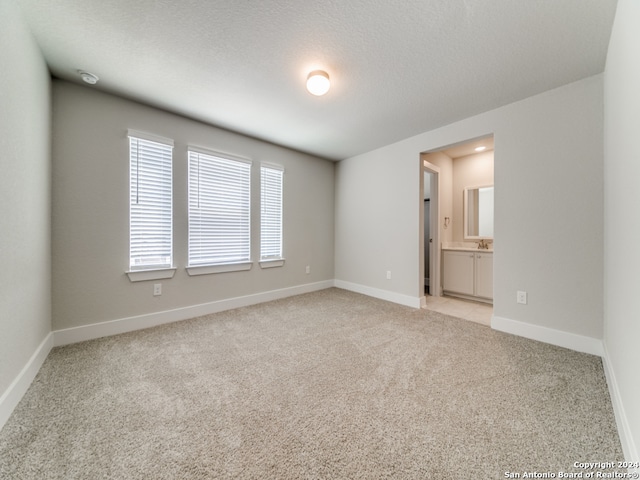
x,y
435,287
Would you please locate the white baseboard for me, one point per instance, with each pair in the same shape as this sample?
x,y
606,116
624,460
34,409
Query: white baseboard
x,y
406,300
631,453
12,396
129,324
559,338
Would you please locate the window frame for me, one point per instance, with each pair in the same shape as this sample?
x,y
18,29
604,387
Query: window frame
x,y
150,271
266,212
245,165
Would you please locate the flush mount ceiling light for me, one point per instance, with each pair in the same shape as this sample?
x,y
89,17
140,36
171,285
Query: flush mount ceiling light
x,y
87,77
318,82
480,149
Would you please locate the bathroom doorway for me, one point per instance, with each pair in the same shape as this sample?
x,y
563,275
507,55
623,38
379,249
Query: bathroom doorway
x,y
447,217
430,252
427,235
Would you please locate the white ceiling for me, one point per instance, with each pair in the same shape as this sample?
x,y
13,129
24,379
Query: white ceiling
x,y
397,68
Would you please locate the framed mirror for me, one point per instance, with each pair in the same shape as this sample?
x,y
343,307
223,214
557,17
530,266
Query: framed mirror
x,y
478,212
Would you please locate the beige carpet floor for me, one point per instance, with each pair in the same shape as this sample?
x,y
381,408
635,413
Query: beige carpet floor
x,y
330,384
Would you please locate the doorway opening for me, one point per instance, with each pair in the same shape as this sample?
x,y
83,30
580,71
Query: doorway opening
x,y
430,261
447,175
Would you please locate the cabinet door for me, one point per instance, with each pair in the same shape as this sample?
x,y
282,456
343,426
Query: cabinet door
x,y
458,272
484,275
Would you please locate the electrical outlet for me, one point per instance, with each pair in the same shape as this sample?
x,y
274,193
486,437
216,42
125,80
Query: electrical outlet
x,y
157,289
388,274
521,297
308,269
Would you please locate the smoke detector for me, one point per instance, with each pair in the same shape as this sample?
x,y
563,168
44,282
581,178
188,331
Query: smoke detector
x,y
87,77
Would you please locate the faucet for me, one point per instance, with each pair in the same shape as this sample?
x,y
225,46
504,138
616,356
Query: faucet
x,y
482,245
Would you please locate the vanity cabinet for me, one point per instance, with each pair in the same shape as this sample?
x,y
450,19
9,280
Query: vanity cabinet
x,y
458,272
468,274
484,275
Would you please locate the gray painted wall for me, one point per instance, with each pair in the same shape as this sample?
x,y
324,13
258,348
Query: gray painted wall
x,y
548,212
25,276
622,217
90,241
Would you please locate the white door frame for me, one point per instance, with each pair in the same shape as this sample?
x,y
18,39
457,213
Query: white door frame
x,y
435,287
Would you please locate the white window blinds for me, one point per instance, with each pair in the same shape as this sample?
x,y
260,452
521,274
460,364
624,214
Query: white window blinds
x,y
219,209
271,179
150,212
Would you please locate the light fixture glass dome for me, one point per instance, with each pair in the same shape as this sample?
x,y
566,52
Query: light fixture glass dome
x,y
318,82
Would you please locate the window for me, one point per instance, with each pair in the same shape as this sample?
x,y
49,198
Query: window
x,y
271,213
219,212
150,208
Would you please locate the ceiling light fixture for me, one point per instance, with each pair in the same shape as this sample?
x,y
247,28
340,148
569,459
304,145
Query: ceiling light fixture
x,y
89,78
318,83
480,149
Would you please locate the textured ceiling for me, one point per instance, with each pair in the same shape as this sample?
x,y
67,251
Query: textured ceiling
x,y
397,68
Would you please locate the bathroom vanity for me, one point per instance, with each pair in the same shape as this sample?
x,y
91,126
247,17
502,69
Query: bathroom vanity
x,y
467,266
468,273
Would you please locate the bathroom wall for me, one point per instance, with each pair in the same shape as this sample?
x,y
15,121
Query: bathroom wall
x,y
470,171
455,175
445,164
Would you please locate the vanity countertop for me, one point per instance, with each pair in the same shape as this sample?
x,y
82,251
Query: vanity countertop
x,y
466,247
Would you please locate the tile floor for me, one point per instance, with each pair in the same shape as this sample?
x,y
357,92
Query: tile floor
x,y
466,309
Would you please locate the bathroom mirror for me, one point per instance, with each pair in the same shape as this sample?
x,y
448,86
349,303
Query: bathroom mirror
x,y
478,212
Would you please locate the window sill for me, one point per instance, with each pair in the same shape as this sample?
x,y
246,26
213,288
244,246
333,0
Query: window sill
x,y
144,275
222,268
276,262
